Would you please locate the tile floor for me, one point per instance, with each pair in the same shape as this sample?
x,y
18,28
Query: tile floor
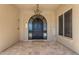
x,y
38,48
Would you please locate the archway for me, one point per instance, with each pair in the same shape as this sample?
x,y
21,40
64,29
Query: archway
x,y
37,27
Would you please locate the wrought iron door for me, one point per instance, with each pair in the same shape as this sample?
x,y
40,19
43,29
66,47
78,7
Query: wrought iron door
x,y
37,27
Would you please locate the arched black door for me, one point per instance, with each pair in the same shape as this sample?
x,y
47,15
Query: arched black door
x,y
37,26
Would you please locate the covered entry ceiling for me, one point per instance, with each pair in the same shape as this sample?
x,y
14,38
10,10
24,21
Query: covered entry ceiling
x,y
33,6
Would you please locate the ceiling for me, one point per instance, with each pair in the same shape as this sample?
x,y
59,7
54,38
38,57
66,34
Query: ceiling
x,y
41,6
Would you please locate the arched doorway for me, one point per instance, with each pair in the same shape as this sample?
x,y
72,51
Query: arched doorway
x,y
37,27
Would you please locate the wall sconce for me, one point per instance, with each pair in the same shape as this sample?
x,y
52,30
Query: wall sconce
x,y
26,25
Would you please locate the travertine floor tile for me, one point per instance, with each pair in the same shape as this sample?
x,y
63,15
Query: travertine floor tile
x,y
38,48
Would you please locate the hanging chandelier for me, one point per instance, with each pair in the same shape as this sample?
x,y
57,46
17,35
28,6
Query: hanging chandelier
x,y
37,10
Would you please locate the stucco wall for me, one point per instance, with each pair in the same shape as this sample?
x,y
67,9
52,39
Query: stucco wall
x,y
8,26
73,42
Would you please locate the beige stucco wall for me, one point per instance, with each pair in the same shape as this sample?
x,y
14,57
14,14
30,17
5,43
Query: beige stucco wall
x,y
51,23
8,26
72,43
